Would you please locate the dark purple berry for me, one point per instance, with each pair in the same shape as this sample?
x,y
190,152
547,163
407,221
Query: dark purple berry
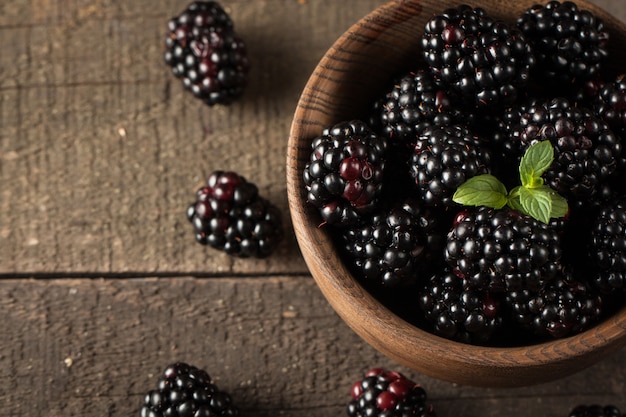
x,y
204,51
229,215
344,175
383,393
186,391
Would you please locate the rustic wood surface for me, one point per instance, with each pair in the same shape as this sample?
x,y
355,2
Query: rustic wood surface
x,y
102,285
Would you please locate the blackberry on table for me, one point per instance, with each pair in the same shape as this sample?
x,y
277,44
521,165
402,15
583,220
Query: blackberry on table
x,y
586,150
608,247
186,391
483,60
395,248
502,250
230,215
383,393
569,44
562,307
443,158
457,312
203,49
595,410
344,175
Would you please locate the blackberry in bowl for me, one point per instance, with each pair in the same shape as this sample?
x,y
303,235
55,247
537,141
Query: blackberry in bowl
x,y
353,78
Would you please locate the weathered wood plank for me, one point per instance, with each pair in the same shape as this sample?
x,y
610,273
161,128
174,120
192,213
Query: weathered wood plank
x,y
76,347
101,149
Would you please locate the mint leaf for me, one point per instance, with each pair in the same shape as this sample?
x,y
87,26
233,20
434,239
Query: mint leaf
x,y
537,202
559,205
514,200
536,160
481,190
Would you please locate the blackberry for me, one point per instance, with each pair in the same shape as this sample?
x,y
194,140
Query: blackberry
x,y
384,393
607,99
586,151
595,410
395,248
502,250
563,307
610,103
570,45
443,158
456,312
185,391
229,215
415,102
483,60
204,50
608,247
344,175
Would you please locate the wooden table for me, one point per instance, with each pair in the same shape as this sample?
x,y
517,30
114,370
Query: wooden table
x,y
102,284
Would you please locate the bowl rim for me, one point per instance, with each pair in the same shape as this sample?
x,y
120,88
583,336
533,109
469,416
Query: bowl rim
x,y
443,358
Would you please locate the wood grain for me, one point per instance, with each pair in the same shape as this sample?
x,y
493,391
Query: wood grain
x,y
101,149
95,346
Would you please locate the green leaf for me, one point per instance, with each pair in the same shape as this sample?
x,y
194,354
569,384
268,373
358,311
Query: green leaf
x,y
559,204
537,202
514,200
481,190
536,160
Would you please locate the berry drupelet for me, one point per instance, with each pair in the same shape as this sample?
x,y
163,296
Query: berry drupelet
x,y
457,312
443,158
608,247
595,410
204,50
186,391
502,250
485,61
383,393
569,44
395,248
229,215
586,150
344,174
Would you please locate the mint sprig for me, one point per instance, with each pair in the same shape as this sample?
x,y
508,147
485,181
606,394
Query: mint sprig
x,y
532,197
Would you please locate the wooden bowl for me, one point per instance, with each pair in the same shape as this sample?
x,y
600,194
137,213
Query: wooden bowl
x,y
351,74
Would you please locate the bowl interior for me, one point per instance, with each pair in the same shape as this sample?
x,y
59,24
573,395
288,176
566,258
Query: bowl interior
x,y
355,70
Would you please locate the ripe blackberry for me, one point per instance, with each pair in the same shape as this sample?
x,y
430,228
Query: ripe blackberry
x,y
563,307
456,312
413,103
384,393
204,50
485,61
502,250
395,248
186,391
595,410
608,247
586,151
610,103
443,158
569,44
344,175
229,215
607,99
